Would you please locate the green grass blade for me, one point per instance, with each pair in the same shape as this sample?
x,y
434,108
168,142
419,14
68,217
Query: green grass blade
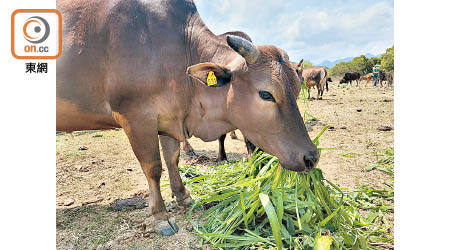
x,y
243,210
296,204
273,219
329,217
278,199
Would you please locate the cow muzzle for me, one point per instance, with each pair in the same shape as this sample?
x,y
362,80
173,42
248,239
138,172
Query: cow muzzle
x,y
311,159
303,163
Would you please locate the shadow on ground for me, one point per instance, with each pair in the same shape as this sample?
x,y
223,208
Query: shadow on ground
x,y
107,227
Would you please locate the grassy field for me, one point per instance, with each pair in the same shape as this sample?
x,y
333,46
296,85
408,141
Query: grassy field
x,y
96,168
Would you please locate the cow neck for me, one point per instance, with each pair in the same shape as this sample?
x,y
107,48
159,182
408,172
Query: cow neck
x,y
207,116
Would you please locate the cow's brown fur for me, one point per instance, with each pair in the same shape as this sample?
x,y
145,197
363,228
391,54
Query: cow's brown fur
x,y
366,78
222,155
124,65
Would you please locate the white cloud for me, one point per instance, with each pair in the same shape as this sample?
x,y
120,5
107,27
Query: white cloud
x,y
327,30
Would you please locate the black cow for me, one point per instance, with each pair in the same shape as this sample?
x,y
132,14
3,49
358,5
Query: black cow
x,y
326,83
349,77
386,76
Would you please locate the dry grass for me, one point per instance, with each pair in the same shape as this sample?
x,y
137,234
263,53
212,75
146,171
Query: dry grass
x,y
108,170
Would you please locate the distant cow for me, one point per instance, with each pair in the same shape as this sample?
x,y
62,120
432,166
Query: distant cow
x,y
366,78
388,77
314,76
349,77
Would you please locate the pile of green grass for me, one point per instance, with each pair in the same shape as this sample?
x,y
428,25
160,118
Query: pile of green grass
x,y
385,164
303,99
259,205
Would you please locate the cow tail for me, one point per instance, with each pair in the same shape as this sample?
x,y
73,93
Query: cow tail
x,y
324,74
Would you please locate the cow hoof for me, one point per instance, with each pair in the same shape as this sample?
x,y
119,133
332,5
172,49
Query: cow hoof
x,y
186,202
221,159
191,153
166,227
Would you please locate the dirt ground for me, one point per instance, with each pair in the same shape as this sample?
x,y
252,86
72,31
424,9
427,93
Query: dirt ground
x,y
96,168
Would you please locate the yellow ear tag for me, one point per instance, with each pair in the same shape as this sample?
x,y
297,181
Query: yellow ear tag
x,y
211,80
300,67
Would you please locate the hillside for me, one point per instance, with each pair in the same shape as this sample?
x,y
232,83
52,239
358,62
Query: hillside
x,y
330,64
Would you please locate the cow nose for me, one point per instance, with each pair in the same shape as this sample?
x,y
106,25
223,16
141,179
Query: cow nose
x,y
311,158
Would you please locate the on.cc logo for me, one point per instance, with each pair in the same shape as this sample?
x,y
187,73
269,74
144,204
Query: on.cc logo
x,y
36,34
36,29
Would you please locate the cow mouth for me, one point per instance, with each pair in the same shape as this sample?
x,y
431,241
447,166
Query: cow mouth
x,y
296,168
301,167
309,166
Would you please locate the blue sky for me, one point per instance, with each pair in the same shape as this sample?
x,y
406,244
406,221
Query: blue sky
x,y
313,30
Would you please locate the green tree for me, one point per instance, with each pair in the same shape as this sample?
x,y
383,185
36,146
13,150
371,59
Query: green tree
x,y
387,60
362,65
341,68
307,64
374,61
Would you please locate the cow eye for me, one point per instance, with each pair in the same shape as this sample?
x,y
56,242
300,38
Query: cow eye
x,y
266,96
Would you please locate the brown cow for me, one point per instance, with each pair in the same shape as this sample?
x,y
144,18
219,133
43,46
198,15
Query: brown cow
x,y
367,78
315,76
124,65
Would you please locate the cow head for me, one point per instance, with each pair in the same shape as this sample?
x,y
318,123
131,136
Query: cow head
x,y
261,101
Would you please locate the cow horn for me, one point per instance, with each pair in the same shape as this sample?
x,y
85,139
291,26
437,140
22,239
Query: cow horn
x,y
244,48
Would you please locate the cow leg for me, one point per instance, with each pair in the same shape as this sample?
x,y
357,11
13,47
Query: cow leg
x,y
318,93
309,95
143,137
188,148
222,156
250,148
171,153
233,135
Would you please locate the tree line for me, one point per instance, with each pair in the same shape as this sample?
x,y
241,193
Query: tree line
x,y
364,65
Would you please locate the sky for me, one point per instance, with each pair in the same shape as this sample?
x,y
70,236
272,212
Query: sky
x,y
312,30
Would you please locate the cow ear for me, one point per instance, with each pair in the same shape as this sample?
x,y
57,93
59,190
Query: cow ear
x,y
211,74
